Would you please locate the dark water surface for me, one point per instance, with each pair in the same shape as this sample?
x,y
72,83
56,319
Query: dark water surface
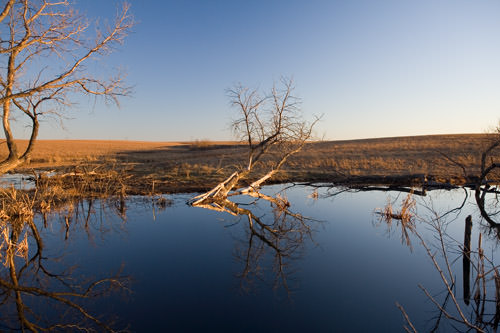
x,y
192,269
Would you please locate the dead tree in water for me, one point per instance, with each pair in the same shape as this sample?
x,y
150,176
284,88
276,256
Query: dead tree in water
x,y
272,126
273,130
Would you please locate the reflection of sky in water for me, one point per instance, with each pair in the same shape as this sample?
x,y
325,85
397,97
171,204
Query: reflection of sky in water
x,y
184,269
18,180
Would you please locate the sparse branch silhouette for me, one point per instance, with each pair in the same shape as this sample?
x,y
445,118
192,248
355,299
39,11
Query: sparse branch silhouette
x,y
273,129
31,33
282,237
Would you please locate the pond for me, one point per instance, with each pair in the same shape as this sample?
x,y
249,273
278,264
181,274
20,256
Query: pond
x,y
161,265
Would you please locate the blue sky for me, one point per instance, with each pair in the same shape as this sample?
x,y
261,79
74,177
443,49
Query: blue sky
x,y
372,68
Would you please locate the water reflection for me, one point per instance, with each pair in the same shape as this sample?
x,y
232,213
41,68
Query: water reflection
x,y
480,273
278,239
182,262
488,202
39,290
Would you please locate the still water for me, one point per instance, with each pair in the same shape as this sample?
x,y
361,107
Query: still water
x,y
157,267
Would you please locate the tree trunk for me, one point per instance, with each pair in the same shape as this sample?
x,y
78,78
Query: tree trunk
x,y
13,160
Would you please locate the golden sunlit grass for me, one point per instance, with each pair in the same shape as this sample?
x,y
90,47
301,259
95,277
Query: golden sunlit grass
x,y
57,153
198,165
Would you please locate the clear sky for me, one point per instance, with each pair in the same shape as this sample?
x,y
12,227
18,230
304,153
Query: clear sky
x,y
373,68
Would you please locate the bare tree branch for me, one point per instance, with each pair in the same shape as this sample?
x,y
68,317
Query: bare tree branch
x,y
272,127
50,28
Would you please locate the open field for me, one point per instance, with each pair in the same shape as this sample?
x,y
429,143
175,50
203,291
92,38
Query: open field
x,y
193,166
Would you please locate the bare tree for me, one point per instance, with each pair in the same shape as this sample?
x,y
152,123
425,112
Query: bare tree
x,y
273,128
44,47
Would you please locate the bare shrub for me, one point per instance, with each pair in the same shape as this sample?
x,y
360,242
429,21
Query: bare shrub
x,y
201,144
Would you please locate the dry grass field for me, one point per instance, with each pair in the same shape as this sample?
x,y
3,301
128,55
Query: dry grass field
x,y
193,166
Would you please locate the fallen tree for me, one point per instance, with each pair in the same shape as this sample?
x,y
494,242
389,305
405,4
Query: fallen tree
x,y
273,129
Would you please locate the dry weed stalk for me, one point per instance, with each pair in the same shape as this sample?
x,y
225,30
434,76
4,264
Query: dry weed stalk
x,y
16,211
405,218
53,194
84,182
314,195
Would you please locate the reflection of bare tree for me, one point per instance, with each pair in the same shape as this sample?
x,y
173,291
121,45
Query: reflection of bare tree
x,y
273,130
481,276
282,238
487,199
30,288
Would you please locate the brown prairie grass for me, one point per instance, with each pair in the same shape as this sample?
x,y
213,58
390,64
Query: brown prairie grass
x,y
199,165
